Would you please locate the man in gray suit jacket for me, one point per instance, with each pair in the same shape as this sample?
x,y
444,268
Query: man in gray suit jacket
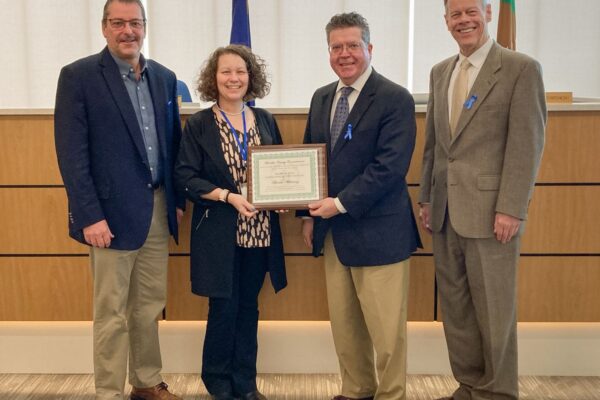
x,y
484,138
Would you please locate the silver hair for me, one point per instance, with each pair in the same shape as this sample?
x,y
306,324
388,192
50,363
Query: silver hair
x,y
483,3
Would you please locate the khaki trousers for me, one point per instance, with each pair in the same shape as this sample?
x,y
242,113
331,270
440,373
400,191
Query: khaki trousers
x,y
367,309
477,286
130,291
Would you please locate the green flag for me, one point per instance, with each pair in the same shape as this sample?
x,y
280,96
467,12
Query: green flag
x,y
507,25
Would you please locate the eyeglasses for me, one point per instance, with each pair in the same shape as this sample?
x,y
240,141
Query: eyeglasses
x,y
350,47
117,23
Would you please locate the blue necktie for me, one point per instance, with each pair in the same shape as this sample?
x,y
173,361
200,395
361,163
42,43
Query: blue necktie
x,y
340,116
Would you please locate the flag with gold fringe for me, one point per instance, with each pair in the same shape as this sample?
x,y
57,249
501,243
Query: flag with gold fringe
x,y
507,25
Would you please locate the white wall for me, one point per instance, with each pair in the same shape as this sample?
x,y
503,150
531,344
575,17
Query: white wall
x,y
565,37
301,347
289,35
38,37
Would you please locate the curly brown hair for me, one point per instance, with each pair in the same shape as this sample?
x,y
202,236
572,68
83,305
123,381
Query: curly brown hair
x,y
258,86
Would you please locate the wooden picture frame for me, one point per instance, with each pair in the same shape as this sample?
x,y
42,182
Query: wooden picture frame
x,y
286,176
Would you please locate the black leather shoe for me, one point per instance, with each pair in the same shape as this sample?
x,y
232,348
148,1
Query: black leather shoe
x,y
256,395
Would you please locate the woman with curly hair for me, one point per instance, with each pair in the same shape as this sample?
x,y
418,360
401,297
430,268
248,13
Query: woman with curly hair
x,y
232,244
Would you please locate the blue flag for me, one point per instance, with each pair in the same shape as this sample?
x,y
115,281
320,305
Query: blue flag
x,y
240,23
240,27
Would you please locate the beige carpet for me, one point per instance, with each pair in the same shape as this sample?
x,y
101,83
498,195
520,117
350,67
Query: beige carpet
x,y
289,387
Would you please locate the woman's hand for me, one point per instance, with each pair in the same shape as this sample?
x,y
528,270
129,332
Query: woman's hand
x,y
242,205
307,231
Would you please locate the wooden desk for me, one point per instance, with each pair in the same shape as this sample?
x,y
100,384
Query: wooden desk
x,y
46,275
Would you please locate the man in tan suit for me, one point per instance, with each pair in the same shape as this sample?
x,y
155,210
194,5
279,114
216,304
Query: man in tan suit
x,y
484,138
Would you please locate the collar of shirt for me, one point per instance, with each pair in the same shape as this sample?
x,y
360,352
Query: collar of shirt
x,y
477,59
358,85
125,69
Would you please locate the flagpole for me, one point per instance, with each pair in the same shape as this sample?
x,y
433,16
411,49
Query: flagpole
x,y
507,25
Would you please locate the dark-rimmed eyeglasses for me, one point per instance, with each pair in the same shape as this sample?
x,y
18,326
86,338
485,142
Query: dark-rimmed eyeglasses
x,y
338,48
118,23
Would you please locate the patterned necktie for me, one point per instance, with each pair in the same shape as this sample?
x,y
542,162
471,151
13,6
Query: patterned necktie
x,y
459,94
340,116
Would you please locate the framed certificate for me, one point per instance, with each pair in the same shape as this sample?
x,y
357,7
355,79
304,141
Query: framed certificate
x,y
286,176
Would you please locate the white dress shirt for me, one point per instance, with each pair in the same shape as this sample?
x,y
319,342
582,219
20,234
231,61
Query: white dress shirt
x,y
358,84
477,59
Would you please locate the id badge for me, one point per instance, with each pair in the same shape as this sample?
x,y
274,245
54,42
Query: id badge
x,y
245,191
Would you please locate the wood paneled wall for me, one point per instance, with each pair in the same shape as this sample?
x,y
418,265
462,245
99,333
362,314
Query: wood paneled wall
x,y
46,275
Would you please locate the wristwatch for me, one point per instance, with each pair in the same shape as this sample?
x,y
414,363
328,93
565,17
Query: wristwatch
x,y
223,195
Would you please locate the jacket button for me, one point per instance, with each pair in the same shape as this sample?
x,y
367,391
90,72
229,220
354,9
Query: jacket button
x,y
149,186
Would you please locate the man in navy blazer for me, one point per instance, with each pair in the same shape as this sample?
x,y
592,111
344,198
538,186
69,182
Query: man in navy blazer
x,y
117,132
366,228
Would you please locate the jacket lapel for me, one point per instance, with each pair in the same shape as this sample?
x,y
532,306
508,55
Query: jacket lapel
x,y
481,88
211,142
263,129
444,86
326,105
363,102
160,100
114,81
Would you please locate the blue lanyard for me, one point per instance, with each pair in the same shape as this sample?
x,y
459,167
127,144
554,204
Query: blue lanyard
x,y
243,149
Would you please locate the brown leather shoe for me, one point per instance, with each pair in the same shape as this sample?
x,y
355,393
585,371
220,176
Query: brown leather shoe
x,y
340,397
158,392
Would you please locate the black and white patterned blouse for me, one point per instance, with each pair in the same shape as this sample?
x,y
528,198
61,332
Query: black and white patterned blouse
x,y
255,231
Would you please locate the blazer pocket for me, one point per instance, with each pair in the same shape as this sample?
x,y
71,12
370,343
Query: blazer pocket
x,y
488,182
